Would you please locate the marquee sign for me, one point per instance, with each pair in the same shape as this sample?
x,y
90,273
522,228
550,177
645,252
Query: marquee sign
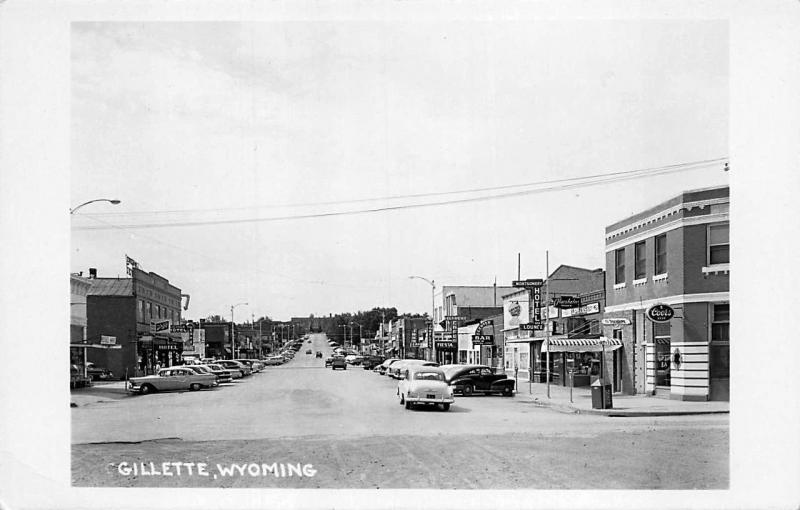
x,y
660,313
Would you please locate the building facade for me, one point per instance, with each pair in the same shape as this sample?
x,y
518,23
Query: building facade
x,y
674,254
137,312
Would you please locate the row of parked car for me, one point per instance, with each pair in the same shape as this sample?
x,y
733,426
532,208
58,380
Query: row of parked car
x,y
426,382
194,376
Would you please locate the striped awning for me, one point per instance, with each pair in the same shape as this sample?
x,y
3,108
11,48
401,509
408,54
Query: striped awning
x,y
581,344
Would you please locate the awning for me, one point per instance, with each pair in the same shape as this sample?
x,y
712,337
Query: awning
x,y
581,344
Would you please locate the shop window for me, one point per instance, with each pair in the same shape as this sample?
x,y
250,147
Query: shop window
x,y
718,244
639,261
619,266
661,254
617,334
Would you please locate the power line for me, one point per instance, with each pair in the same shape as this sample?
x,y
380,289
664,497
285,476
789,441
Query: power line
x,y
568,184
419,195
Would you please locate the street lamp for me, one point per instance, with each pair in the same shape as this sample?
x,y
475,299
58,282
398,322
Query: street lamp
x,y
233,333
109,200
433,310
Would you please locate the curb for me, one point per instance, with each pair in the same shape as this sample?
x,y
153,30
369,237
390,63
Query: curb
x,y
617,413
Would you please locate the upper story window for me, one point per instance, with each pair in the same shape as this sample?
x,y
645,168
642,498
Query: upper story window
x,y
718,245
661,254
140,311
639,261
619,266
149,314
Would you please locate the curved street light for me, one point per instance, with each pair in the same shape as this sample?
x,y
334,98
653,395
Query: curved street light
x,y
233,334
113,201
432,283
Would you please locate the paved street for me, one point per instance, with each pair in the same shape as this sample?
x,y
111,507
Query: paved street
x,y
349,427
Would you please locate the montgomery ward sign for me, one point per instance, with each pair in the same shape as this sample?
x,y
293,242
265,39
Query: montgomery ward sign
x,y
660,313
529,283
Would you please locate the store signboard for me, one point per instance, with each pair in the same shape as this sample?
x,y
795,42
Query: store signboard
x,y
660,313
108,340
567,302
621,321
532,326
482,340
160,326
528,284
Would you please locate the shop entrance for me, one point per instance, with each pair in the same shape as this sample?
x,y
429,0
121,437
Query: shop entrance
x,y
662,339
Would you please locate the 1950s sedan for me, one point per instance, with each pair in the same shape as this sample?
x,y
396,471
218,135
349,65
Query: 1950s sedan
x,y
424,385
471,379
171,379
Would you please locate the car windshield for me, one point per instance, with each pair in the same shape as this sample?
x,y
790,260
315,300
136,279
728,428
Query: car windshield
x,y
428,376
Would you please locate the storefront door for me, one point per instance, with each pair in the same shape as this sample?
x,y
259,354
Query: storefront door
x,y
661,337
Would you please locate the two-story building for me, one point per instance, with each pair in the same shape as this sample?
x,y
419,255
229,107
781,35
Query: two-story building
x,y
672,259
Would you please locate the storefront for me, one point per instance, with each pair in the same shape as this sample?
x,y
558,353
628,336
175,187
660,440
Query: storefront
x,y
586,359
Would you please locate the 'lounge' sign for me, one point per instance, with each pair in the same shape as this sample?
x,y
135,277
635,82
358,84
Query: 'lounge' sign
x,y
660,313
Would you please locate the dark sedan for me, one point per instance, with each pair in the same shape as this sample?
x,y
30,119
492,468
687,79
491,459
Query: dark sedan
x,y
471,379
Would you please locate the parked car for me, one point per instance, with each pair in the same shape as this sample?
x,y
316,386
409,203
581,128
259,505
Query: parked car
x,y
420,384
171,379
396,368
383,367
223,374
234,373
338,362
471,379
253,365
76,377
274,360
233,364
370,362
354,359
96,373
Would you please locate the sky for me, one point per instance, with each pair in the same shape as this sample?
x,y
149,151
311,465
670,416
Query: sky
x,y
223,122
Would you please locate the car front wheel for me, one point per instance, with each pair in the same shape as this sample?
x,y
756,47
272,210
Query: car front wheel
x,y
445,407
468,390
507,391
146,389
408,404
194,386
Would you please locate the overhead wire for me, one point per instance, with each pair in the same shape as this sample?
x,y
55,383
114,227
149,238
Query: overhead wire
x,y
569,184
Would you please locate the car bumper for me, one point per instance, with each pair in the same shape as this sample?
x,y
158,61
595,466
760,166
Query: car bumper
x,y
425,400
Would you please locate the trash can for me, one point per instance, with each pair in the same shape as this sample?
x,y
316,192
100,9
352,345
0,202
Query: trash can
x,y
601,395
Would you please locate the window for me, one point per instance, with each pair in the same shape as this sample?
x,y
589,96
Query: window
x,y
140,311
149,311
718,246
639,261
661,254
617,334
619,266
720,323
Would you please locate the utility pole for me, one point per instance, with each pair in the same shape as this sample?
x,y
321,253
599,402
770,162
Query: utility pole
x,y
547,315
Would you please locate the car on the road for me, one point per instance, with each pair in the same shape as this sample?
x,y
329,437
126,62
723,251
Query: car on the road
x,y
396,368
234,373
222,374
421,384
471,379
309,351
383,367
354,359
98,373
172,379
338,362
319,354
328,361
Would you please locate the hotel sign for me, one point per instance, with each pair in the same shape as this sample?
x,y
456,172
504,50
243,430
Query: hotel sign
x,y
529,283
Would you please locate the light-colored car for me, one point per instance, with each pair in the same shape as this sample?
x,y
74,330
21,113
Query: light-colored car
x,y
396,368
233,373
234,365
421,384
383,367
172,379
223,375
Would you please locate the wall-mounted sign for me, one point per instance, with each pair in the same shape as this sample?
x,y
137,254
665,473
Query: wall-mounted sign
x,y
660,313
616,322
567,302
446,346
532,326
159,326
482,340
514,308
108,340
454,318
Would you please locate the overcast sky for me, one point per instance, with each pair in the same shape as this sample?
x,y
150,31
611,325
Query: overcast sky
x,y
234,121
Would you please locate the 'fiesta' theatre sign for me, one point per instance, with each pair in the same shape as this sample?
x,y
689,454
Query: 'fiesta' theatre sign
x,y
660,313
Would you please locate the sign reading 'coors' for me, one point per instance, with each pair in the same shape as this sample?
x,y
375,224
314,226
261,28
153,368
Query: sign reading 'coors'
x,y
660,313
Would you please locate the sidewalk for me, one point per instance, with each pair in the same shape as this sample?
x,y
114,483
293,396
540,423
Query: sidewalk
x,y
623,405
99,391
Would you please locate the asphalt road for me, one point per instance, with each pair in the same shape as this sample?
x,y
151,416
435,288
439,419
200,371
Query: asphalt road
x,y
349,430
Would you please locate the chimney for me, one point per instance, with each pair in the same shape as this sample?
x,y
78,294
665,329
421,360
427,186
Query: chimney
x,y
92,272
